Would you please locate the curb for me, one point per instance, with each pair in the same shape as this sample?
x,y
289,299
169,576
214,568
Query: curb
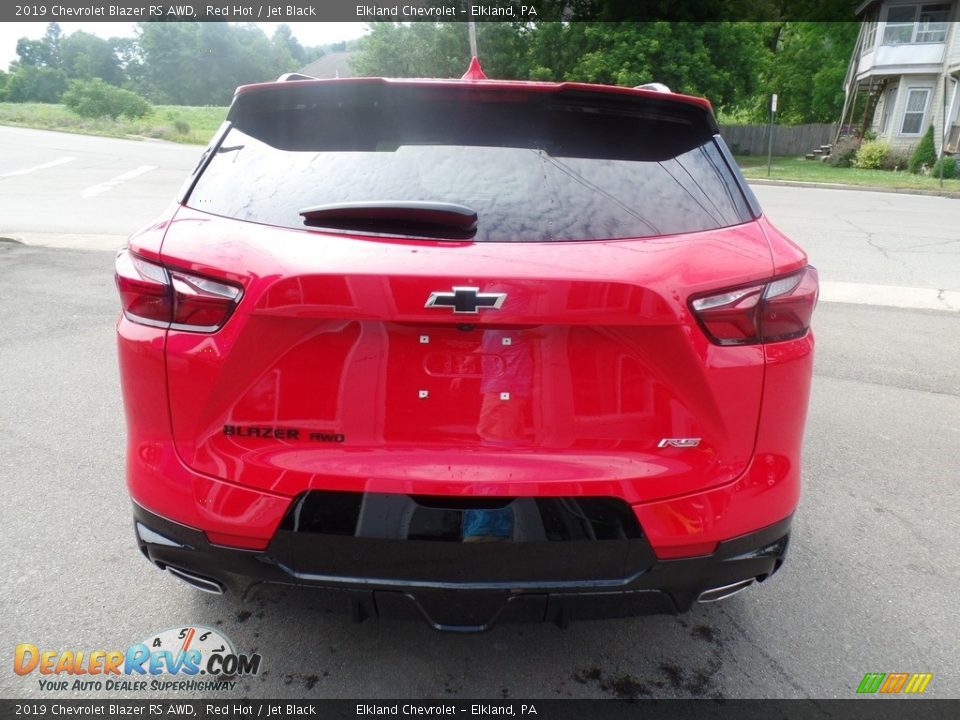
x,y
867,188
67,241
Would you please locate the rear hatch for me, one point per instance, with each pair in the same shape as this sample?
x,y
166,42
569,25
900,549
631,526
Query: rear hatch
x,y
465,288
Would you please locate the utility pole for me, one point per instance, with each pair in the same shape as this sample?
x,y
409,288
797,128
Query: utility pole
x,y
773,117
943,134
472,29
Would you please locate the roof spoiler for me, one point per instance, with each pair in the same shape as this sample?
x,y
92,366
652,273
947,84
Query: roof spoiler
x,y
655,86
287,77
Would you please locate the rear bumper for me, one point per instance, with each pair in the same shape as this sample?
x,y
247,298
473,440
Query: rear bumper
x,y
492,582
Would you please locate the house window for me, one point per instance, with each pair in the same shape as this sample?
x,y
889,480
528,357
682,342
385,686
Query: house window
x,y
932,27
915,111
869,37
916,24
889,103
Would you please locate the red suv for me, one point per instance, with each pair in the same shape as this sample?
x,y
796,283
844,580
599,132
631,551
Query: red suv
x,y
466,350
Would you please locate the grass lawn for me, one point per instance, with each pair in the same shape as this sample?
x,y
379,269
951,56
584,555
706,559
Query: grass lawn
x,y
182,124
790,168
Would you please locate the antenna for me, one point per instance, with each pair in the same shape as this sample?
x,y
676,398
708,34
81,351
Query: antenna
x,y
474,72
472,28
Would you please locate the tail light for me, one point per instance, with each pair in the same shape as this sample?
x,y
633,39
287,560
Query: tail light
x,y
776,310
151,294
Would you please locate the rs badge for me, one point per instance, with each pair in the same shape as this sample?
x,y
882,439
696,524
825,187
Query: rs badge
x,y
678,442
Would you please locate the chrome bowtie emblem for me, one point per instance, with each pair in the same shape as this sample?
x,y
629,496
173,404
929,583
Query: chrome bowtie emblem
x,y
466,300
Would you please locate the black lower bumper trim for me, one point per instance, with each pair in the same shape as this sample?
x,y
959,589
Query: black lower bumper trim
x,y
459,603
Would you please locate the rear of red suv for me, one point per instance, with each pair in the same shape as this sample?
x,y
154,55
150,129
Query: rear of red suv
x,y
466,351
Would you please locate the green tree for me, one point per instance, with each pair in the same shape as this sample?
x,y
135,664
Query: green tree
x,y
718,60
36,84
414,50
85,56
289,52
806,68
924,154
441,50
41,53
130,61
202,63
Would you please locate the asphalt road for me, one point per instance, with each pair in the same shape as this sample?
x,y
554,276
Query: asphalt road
x,y
870,584
82,191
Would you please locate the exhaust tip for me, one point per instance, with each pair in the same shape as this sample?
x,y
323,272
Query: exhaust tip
x,y
200,582
724,591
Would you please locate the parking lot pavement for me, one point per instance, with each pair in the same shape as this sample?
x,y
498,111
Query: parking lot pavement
x,y
869,585
81,191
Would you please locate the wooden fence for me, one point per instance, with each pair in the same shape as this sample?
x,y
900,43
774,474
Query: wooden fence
x,y
795,140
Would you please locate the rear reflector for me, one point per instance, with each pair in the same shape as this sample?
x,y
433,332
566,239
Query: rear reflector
x,y
150,294
237,541
673,552
779,309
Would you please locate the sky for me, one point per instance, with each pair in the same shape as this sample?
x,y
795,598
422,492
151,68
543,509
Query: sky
x,y
308,33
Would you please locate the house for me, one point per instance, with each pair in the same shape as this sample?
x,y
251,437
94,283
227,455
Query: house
x,y
334,64
905,73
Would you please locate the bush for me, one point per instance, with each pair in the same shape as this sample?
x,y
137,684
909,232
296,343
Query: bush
x,y
843,152
95,98
923,154
896,160
871,155
35,84
949,165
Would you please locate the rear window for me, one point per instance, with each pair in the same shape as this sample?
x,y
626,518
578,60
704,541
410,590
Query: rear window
x,y
535,166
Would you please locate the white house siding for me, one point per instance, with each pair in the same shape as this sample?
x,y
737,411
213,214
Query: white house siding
x,y
951,71
912,65
953,43
886,56
900,91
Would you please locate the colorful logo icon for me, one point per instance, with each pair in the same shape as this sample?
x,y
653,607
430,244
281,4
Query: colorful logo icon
x,y
894,683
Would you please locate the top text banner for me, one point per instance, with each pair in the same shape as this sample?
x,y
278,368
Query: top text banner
x,y
415,11
240,11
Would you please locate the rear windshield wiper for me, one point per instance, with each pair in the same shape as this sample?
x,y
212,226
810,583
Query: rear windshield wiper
x,y
396,217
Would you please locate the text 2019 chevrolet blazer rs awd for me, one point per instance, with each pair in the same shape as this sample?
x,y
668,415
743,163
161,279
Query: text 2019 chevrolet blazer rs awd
x,y
466,350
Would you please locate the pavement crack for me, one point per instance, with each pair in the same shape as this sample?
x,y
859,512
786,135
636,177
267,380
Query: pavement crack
x,y
911,528
772,662
868,237
931,244
879,248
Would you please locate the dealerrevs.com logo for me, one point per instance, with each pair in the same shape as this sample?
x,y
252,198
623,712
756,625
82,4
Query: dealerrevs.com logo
x,y
194,658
